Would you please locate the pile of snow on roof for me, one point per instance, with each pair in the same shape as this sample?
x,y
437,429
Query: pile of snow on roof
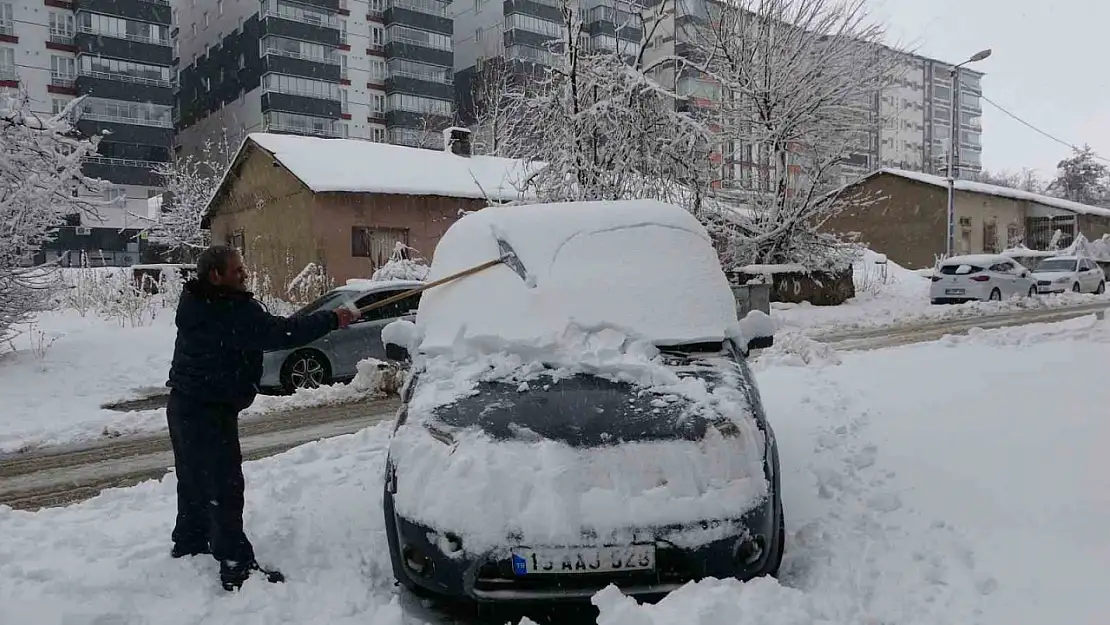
x,y
351,165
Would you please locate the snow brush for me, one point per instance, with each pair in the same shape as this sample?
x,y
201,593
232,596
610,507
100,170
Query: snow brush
x,y
508,258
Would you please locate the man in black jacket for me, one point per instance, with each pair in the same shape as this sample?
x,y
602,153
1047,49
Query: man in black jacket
x,y
217,365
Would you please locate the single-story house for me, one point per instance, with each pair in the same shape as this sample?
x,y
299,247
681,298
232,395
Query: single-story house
x,y
904,215
288,200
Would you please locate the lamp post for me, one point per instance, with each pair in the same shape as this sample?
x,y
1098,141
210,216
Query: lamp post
x,y
954,148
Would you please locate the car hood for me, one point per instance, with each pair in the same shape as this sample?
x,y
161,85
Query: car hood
x,y
1052,275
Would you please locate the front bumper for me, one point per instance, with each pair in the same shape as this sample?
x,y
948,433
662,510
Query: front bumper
x,y
489,578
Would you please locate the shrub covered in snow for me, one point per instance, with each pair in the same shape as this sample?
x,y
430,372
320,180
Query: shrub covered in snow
x,y
403,264
312,282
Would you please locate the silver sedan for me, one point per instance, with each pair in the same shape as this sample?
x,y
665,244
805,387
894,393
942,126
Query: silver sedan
x,y
335,357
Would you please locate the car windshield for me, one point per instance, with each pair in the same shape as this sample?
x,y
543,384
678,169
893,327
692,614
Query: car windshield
x,y
589,411
1057,265
959,270
328,301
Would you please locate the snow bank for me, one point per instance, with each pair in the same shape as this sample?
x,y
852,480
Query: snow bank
x,y
374,379
548,491
643,267
794,349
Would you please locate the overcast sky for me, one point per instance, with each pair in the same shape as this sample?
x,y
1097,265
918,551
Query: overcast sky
x,y
1049,67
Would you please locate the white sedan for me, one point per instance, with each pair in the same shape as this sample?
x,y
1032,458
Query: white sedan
x,y
980,277
1069,273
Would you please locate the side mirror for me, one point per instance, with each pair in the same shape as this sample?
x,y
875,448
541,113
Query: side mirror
x,y
759,330
400,338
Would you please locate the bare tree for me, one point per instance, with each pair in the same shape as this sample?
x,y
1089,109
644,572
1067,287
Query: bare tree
x,y
798,80
494,97
602,126
41,185
1025,180
190,182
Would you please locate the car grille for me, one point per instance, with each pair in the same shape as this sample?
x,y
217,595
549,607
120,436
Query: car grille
x,y
1043,283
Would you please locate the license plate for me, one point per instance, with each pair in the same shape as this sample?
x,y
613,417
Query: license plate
x,y
583,560
953,291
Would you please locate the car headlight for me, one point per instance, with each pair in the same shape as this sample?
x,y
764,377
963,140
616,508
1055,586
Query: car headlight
x,y
1062,280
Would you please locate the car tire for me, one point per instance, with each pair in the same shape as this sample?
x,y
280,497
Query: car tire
x,y
1075,288
1101,288
306,363
1033,291
996,295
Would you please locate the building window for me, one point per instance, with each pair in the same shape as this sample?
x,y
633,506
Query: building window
x,y
297,49
377,134
125,70
421,71
206,19
343,31
377,244
378,72
61,28
419,104
295,85
194,29
423,38
7,19
377,35
57,105
121,28
62,69
219,7
377,103
478,35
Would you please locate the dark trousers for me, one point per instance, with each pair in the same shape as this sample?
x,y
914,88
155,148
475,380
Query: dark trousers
x,y
209,467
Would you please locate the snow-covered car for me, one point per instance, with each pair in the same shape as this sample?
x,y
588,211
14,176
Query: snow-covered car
x,y
1069,273
592,423
335,356
980,277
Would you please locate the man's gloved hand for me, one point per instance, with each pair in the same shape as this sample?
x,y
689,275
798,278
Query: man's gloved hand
x,y
346,317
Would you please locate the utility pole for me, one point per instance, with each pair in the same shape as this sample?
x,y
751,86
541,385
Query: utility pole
x,y
954,148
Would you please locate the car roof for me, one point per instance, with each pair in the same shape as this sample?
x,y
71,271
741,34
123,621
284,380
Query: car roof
x,y
360,285
977,259
1063,258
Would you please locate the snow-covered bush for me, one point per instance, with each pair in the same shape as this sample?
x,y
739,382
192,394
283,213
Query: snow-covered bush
x,y
403,264
189,181
312,282
41,184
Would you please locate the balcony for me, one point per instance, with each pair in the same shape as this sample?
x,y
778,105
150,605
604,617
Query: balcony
x,y
325,21
152,11
136,121
140,80
332,60
128,36
122,170
428,7
330,133
114,45
61,39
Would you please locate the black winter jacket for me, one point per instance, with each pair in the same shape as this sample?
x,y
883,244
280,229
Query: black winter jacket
x,y
221,334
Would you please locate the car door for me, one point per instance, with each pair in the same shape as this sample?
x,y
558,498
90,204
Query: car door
x,y
1003,278
353,343
1088,277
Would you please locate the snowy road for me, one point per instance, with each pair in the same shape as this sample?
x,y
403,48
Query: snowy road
x,y
64,475
927,484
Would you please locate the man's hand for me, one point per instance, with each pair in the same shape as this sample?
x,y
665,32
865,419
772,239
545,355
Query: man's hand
x,y
345,316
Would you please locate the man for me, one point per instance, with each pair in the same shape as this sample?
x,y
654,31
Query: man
x,y
217,365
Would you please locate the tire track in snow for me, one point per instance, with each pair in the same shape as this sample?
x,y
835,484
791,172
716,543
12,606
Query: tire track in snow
x,y
861,552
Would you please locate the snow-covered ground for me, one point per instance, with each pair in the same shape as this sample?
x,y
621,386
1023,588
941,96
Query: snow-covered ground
x,y
892,294
66,366
961,481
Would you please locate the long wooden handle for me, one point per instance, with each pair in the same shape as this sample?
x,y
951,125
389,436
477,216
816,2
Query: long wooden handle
x,y
425,287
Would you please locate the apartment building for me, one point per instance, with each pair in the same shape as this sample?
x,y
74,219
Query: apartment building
x,y
117,53
379,70
519,32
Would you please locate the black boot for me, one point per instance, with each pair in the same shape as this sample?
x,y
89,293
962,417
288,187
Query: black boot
x,y
182,551
233,574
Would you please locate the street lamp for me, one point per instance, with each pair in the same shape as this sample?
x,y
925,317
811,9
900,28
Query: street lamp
x,y
954,148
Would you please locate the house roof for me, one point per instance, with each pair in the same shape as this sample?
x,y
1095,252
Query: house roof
x,y
359,166
970,186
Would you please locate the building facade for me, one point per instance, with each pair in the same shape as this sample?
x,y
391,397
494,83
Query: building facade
x,y
118,54
519,32
379,70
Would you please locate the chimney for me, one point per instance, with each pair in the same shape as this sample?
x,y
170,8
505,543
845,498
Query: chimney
x,y
456,140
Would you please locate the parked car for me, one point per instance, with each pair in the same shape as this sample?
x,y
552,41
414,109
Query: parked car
x,y
980,277
335,357
534,471
1069,273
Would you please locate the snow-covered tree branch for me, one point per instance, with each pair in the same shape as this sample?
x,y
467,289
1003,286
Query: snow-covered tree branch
x,y
493,97
793,84
189,183
41,184
603,126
